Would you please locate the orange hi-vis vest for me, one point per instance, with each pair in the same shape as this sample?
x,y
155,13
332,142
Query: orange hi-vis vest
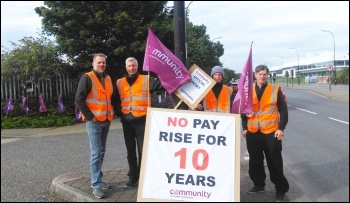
x,y
134,98
99,99
222,104
266,115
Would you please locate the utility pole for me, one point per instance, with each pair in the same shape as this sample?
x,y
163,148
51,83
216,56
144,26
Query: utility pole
x,y
180,36
180,30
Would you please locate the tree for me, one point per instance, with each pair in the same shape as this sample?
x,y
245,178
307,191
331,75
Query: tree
x,y
32,57
229,75
115,28
119,30
201,51
343,76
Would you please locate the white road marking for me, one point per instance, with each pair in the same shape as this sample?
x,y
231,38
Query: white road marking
x,y
338,120
7,140
306,110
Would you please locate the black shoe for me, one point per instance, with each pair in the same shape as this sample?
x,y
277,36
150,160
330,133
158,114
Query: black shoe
x,y
131,183
280,197
256,189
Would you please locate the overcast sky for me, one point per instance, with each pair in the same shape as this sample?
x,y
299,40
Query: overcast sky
x,y
274,28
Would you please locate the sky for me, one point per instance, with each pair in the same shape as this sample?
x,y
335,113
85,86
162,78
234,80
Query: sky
x,y
273,26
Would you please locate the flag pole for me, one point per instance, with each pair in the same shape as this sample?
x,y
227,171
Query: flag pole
x,y
149,96
178,104
239,108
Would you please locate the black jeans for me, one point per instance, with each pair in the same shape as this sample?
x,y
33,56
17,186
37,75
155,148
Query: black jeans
x,y
133,136
258,145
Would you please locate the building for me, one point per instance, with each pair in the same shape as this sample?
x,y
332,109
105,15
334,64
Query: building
x,y
311,69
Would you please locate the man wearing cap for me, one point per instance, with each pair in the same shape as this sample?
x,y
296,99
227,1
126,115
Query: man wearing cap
x,y
220,97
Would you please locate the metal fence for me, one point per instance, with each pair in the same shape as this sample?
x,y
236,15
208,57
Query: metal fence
x,y
50,87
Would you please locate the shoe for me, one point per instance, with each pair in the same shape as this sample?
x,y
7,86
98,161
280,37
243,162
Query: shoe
x,y
98,193
131,183
106,186
256,189
280,197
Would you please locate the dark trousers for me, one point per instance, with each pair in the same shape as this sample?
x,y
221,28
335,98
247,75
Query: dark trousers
x,y
133,136
258,145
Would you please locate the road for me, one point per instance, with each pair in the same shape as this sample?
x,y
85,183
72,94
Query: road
x,y
28,165
316,146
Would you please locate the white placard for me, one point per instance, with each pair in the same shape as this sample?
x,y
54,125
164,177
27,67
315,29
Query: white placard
x,y
190,156
193,92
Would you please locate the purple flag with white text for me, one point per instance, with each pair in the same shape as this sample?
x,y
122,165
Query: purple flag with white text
x,y
243,102
170,70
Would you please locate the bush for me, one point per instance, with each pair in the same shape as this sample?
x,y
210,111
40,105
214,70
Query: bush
x,y
52,118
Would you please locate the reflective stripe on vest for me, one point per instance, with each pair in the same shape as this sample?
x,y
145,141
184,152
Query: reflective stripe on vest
x,y
99,99
222,104
134,98
266,115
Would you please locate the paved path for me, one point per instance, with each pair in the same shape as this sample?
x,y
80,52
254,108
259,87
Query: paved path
x,y
338,92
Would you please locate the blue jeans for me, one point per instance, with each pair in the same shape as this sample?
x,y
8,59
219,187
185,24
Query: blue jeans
x,y
97,133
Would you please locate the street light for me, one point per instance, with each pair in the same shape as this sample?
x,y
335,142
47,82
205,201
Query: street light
x,y
186,9
282,60
298,65
215,39
282,67
335,70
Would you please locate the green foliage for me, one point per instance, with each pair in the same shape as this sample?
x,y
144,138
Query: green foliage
x,y
229,75
32,56
119,30
36,122
343,76
201,51
115,28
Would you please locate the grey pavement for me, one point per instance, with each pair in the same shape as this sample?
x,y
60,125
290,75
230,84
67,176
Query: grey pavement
x,y
75,186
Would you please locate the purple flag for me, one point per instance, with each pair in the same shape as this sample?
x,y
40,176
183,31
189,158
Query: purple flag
x,y
42,107
243,102
60,105
25,105
9,106
171,71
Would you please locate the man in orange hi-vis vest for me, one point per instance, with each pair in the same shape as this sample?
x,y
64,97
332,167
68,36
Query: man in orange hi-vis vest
x,y
220,97
263,129
132,99
94,99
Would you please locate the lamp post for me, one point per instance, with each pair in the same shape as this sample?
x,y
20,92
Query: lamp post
x,y
187,7
282,66
335,70
215,39
281,59
298,65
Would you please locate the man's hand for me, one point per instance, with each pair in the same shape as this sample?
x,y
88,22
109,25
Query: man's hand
x,y
279,134
244,133
199,107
